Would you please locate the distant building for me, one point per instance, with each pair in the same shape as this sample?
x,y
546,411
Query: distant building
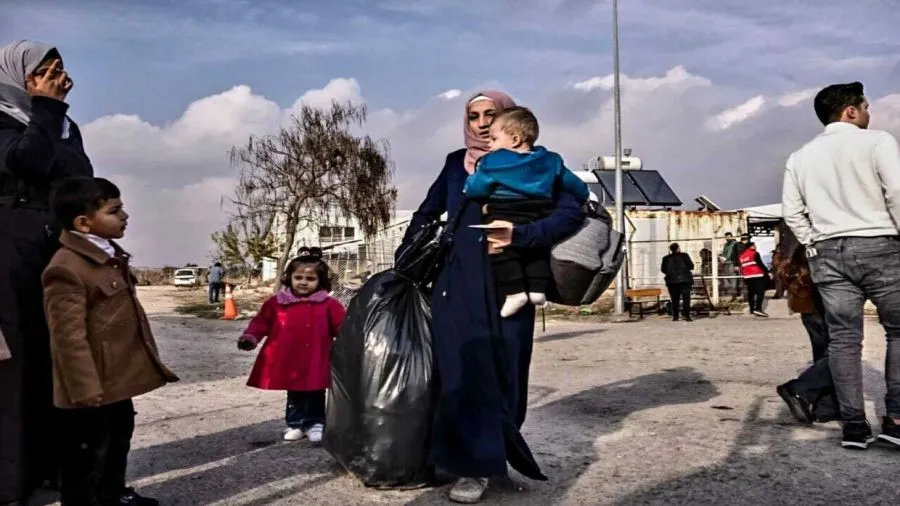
x,y
345,247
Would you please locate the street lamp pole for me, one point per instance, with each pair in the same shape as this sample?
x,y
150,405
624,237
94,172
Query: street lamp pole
x,y
620,206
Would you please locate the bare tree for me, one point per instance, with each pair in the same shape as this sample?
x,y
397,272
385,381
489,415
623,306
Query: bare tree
x,y
248,238
312,168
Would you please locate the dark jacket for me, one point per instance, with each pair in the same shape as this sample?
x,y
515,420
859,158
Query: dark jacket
x,y
677,268
483,360
729,251
100,336
35,156
739,249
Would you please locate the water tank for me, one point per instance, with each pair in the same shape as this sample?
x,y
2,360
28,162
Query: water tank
x,y
628,163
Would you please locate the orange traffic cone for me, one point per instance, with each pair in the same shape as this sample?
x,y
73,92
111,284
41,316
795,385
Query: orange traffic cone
x,y
230,306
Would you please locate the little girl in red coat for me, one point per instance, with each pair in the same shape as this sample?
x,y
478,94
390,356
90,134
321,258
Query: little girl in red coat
x,y
299,324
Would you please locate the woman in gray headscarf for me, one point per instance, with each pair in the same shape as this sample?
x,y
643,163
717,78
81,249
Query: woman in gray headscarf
x,y
39,145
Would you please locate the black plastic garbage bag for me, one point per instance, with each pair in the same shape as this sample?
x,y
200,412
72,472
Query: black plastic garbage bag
x,y
380,406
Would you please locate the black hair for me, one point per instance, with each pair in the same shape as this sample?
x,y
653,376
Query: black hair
x,y
309,256
217,264
729,234
80,196
674,247
831,102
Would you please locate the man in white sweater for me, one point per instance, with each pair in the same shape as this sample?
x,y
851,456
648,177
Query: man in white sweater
x,y
841,199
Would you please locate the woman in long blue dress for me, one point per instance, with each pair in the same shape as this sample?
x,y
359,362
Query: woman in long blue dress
x,y
482,360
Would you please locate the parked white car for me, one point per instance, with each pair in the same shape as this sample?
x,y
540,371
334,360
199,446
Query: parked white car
x,y
187,277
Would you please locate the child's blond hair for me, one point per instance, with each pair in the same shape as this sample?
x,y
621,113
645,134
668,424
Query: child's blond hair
x,y
519,121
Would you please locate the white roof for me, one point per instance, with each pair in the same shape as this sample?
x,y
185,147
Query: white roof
x,y
772,211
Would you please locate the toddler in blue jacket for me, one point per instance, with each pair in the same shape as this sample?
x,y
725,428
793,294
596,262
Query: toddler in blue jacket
x,y
517,180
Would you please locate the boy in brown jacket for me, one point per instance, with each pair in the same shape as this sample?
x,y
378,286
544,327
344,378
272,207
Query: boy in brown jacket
x,y
102,348
810,397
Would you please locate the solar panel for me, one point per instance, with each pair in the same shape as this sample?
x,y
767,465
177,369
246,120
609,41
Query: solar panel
x,y
631,195
600,192
654,187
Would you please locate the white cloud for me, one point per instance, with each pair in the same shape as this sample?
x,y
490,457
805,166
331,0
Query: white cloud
x,y
797,97
173,225
341,89
175,175
886,113
759,105
730,117
675,76
450,94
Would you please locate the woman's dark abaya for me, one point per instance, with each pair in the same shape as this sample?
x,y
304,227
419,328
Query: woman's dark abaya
x,y
32,157
482,360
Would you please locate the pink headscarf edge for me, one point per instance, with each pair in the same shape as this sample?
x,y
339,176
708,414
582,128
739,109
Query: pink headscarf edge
x,y
475,146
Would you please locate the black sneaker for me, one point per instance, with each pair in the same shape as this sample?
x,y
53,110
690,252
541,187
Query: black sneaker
x,y
890,431
688,319
800,407
857,435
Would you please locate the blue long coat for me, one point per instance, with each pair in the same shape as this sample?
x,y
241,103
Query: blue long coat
x,y
482,360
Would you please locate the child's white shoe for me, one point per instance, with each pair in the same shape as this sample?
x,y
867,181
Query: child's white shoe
x,y
292,434
538,299
315,433
513,304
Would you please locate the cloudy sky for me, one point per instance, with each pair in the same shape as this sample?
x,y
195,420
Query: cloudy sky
x,y
716,93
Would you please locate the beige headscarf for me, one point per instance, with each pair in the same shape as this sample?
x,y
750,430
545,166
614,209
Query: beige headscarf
x,y
476,147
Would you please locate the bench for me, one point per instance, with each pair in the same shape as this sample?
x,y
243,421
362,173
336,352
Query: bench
x,y
632,300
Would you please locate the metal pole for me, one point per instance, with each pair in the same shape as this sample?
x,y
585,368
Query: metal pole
x,y
715,267
620,207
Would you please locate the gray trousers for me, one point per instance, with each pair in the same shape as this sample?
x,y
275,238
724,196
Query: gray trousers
x,y
848,271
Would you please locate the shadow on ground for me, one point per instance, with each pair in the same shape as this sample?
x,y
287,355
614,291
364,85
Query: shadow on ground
x,y
563,336
224,465
220,466
769,465
562,433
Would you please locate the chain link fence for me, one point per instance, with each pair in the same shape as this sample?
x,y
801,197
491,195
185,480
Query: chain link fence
x,y
352,262
722,275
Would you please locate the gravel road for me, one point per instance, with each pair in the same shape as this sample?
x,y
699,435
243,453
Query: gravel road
x,y
648,412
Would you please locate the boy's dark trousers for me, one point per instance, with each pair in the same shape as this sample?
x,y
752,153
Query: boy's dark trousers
x,y
305,409
520,270
94,453
815,383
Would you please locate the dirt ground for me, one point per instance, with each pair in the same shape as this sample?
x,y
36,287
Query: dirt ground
x,y
648,412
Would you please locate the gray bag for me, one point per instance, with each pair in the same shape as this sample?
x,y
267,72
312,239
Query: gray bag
x,y
585,264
